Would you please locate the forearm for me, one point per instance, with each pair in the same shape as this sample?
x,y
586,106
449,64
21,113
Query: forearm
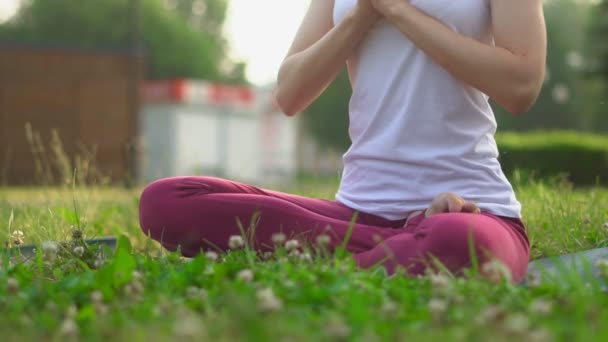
x,y
504,76
303,76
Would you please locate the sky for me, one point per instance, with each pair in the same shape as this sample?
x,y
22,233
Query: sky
x,y
259,32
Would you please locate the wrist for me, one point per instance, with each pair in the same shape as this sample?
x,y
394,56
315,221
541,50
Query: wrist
x,y
395,9
363,19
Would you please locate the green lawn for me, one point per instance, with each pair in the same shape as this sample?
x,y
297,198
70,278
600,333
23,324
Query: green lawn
x,y
140,293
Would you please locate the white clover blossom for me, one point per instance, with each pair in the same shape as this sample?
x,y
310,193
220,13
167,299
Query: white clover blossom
x,y
602,266
517,323
267,301
575,60
338,329
78,251
389,308
488,315
560,94
50,248
236,242
305,257
211,255
196,293
68,328
97,297
12,285
17,237
279,238
245,275
292,245
541,307
496,271
437,306
323,240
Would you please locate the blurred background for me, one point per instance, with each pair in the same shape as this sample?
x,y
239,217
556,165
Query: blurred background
x,y
128,91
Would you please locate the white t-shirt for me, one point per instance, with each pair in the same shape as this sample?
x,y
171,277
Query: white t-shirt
x,y
416,130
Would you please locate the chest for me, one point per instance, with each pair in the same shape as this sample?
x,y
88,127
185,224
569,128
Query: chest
x,y
469,17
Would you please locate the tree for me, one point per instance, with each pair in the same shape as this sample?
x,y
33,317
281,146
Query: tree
x,y
598,69
173,44
327,118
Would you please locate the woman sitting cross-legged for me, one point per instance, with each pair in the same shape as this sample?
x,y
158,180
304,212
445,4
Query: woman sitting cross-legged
x,y
422,172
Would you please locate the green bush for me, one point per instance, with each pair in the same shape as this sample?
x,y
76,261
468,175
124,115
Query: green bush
x,y
581,157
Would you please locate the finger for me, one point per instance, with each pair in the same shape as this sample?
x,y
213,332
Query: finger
x,y
470,207
437,207
455,204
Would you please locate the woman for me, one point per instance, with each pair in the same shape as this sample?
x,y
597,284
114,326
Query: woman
x,y
422,171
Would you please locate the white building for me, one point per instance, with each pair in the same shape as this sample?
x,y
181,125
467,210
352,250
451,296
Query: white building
x,y
194,127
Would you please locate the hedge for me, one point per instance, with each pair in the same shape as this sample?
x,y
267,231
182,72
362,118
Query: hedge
x,y
582,157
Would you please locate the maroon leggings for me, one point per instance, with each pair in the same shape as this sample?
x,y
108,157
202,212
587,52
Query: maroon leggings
x,y
198,213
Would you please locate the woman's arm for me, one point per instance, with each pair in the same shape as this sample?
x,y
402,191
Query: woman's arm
x,y
319,51
511,72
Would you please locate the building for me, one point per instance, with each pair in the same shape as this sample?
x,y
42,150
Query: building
x,y
193,127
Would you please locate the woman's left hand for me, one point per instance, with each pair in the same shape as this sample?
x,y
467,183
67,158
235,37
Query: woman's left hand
x,y
451,203
386,7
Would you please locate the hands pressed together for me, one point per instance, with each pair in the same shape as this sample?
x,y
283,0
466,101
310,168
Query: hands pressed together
x,y
373,10
451,203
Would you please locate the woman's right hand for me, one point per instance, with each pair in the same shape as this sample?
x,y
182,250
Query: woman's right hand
x,y
366,13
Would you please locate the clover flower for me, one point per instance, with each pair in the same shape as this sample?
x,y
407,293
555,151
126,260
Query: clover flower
x,y
17,237
517,323
236,242
78,251
245,275
267,301
278,238
49,249
323,240
292,245
211,255
437,306
12,285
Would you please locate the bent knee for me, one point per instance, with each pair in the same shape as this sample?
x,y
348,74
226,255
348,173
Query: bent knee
x,y
461,237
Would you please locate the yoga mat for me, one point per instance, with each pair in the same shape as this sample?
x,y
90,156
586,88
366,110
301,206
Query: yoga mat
x,y
579,266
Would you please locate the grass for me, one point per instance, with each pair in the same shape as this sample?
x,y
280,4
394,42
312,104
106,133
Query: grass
x,y
142,293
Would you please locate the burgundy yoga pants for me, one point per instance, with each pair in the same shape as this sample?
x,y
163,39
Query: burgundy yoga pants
x,y
201,213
